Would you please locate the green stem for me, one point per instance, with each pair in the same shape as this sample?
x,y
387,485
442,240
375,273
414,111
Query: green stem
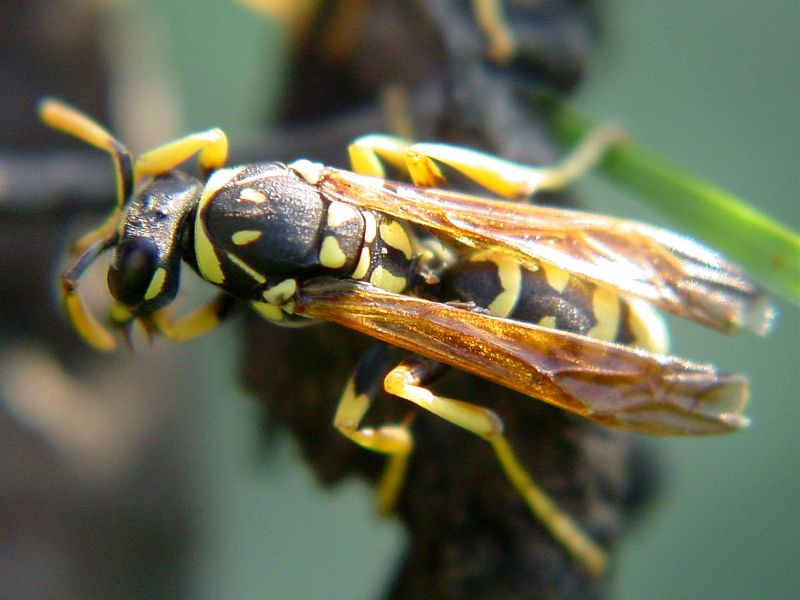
x,y
769,250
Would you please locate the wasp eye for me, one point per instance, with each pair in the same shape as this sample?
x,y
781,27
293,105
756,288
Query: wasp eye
x,y
131,274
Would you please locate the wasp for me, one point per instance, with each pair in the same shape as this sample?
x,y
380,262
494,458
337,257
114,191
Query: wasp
x,y
556,304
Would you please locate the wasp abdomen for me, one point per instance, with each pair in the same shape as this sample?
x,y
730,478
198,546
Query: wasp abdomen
x,y
550,297
387,254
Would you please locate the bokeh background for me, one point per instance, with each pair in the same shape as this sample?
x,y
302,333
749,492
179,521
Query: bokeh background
x,y
713,86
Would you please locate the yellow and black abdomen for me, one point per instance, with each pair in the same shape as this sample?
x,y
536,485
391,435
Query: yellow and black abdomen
x,y
551,297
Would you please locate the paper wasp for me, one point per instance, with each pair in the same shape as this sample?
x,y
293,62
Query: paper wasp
x,y
548,302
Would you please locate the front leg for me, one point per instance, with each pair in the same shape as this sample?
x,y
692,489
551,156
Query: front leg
x,y
211,144
195,324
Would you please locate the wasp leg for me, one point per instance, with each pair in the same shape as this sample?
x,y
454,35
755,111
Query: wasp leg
x,y
368,152
507,178
503,177
195,324
490,18
404,381
395,440
79,314
212,145
63,117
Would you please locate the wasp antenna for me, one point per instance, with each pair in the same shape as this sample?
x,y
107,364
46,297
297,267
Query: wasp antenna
x,y
58,115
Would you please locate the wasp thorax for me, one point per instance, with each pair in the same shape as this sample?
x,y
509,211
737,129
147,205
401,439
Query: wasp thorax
x,y
263,221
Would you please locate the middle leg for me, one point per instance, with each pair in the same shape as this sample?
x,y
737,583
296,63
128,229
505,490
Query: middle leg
x,y
503,177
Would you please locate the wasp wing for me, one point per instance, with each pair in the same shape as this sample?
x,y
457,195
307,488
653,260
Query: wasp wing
x,y
609,383
672,272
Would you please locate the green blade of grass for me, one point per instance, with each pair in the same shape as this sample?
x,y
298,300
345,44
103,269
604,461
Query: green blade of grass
x,y
767,249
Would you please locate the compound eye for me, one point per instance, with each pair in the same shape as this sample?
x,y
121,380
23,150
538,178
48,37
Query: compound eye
x,y
133,270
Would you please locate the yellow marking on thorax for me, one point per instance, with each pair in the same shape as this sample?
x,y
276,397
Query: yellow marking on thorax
x,y
246,236
606,308
208,262
269,311
308,170
394,235
156,284
383,279
556,278
331,254
289,307
339,213
364,261
278,294
510,275
252,195
258,277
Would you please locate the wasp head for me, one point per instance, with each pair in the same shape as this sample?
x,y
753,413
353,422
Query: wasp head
x,y
145,269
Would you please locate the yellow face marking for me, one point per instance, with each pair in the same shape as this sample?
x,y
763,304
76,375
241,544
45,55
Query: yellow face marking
x,y
252,195
395,236
331,254
362,267
549,322
269,311
280,293
370,227
156,284
556,278
258,277
246,236
648,327
383,279
510,275
339,213
207,260
606,307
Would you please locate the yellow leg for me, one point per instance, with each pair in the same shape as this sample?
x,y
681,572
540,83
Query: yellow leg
x,y
84,322
367,153
195,324
62,117
503,177
212,145
403,381
395,440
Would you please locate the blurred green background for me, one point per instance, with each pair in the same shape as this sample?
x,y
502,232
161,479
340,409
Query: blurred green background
x,y
713,86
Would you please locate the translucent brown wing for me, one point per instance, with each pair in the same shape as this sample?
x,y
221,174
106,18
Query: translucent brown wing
x,y
615,385
672,272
